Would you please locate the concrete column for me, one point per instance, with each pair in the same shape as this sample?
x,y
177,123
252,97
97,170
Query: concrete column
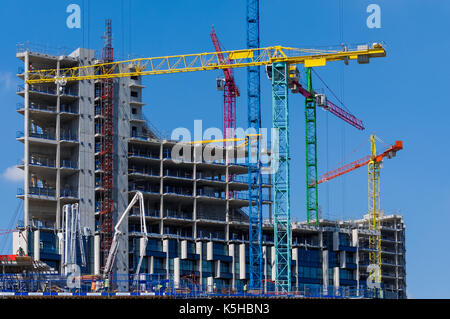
x,y
270,197
295,257
227,199
342,261
335,241
198,251
272,260
60,237
233,260
210,284
336,277
242,265
37,245
184,249
97,255
194,206
264,252
166,250
26,159
58,150
325,269
161,205
176,272
151,263
217,268
209,250
355,243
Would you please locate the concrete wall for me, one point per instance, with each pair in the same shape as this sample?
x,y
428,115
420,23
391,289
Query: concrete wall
x,y
86,158
120,193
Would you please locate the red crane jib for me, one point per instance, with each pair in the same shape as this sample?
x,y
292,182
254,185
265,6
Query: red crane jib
x,y
331,107
361,162
229,78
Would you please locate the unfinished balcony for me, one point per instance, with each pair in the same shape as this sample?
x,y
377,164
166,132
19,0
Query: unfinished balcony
x,y
38,137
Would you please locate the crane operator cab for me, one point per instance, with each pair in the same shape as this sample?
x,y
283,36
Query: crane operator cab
x,y
220,84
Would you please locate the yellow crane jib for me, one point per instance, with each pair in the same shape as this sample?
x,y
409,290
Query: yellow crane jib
x,y
250,138
206,61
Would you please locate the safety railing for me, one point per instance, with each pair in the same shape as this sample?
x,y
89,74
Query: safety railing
x,y
177,233
37,107
147,212
244,179
177,214
177,190
68,136
38,191
176,173
39,161
42,48
220,178
238,219
69,91
201,192
68,108
210,235
68,193
144,188
157,283
144,154
69,164
42,135
211,217
144,171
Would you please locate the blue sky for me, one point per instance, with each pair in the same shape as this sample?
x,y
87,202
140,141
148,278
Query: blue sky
x,y
403,96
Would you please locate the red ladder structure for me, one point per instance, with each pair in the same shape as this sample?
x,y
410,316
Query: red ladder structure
x,y
107,132
230,92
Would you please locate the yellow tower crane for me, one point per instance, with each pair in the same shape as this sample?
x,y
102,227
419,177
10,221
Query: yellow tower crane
x,y
374,162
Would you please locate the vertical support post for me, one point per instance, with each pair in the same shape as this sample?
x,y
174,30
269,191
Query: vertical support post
x,y
282,222
374,212
255,216
58,150
26,157
312,211
254,169
107,152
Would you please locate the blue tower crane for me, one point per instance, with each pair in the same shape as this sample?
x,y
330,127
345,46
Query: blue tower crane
x,y
254,163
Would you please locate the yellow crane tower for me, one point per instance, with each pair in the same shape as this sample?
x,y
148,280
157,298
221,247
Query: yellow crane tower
x,y
374,162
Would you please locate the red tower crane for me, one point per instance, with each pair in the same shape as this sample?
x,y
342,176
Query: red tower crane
x,y
107,131
230,92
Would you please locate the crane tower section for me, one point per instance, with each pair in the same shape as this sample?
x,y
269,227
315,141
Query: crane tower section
x,y
106,153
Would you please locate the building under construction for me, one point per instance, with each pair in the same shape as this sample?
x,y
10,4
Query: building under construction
x,y
90,155
87,142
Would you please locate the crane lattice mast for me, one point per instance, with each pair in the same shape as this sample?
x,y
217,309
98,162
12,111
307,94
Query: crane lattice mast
x,y
230,92
107,152
254,161
374,167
